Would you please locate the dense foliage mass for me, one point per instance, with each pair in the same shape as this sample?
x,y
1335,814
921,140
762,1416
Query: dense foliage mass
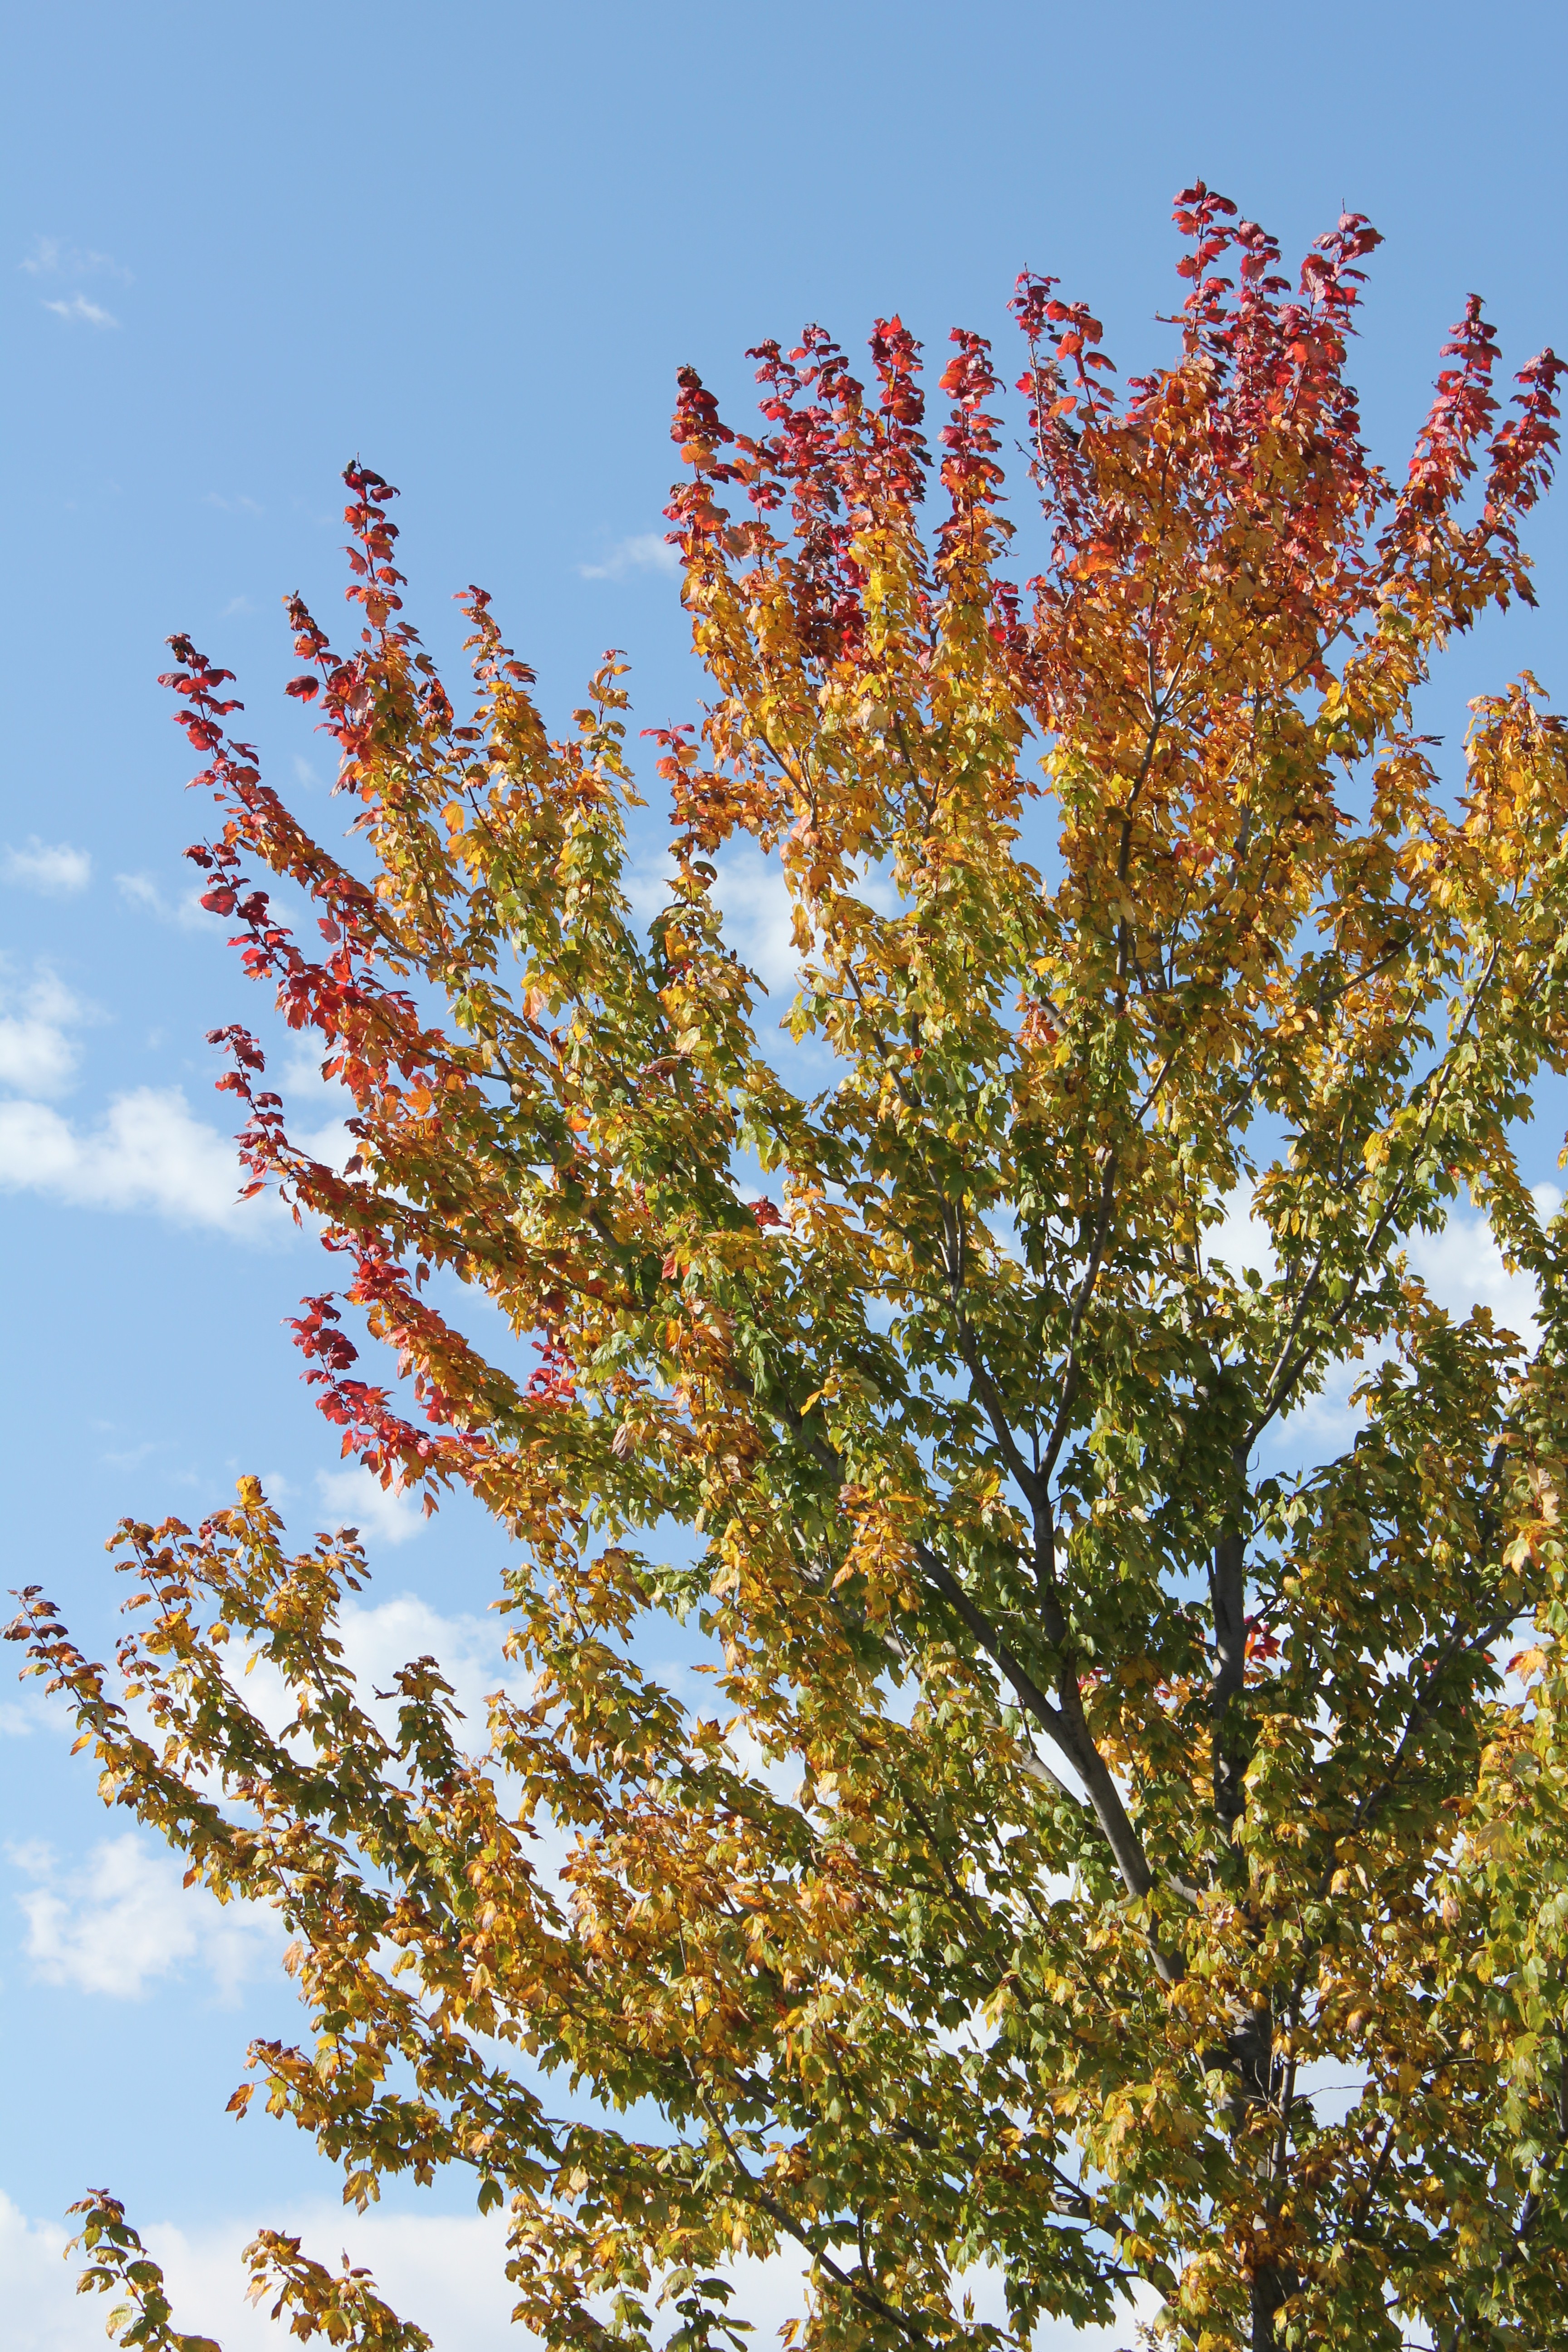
x,y
1076,1795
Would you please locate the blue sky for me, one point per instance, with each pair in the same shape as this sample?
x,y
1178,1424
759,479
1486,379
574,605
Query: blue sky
x,y
473,245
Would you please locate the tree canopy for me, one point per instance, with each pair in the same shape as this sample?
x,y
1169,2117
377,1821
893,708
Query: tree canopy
x,y
1077,1792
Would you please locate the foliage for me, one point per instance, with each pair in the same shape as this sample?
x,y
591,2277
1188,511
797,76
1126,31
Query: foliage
x,y
343,2307
1076,1794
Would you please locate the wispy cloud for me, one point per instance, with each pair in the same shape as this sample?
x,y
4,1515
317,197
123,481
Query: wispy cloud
x,y
19,1719
759,918
51,867
57,257
123,1918
644,551
1461,1264
38,1053
77,308
446,2271
378,1641
1462,1268
757,911
357,1500
754,904
240,505
148,1152
188,911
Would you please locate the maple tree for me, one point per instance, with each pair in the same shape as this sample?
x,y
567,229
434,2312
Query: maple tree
x,y
1079,1793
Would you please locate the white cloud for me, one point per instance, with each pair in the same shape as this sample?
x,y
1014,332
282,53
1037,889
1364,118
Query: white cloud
x,y
377,1640
53,868
240,504
148,1151
332,1144
754,900
984,2284
131,1455
188,911
1463,1267
781,1776
42,2313
36,1052
446,2271
76,305
124,1918
759,918
648,884
644,551
1240,1240
19,1719
309,1095
357,1498
758,915
55,256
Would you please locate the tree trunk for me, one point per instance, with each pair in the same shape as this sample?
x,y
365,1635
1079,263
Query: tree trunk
x,y
1270,2287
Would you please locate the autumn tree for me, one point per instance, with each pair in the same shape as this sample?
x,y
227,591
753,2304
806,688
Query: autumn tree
x,y
1077,1792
